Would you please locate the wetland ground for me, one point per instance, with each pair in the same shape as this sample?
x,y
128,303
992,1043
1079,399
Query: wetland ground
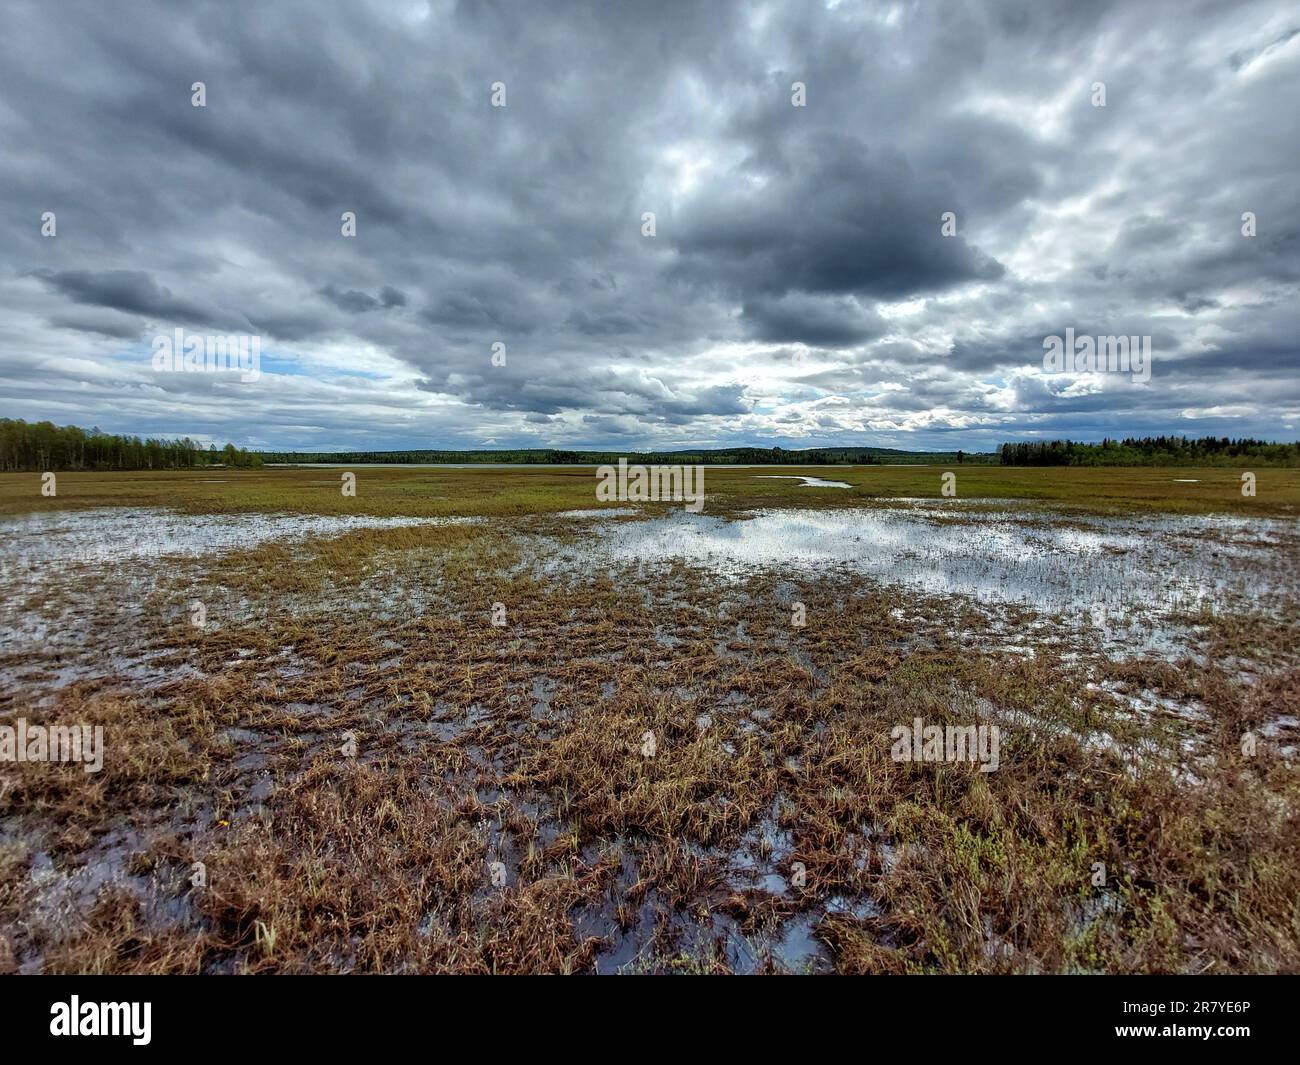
x,y
468,720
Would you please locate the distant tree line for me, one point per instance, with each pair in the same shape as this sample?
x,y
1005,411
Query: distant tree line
x,y
46,446
1152,451
737,456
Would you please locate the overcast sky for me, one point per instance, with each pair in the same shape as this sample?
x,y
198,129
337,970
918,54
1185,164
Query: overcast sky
x,y
798,289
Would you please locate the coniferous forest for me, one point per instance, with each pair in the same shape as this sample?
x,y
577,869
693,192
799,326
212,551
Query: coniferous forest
x,y
1152,451
46,446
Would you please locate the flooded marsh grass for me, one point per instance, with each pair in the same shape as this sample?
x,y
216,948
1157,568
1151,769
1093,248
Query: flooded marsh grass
x,y
501,810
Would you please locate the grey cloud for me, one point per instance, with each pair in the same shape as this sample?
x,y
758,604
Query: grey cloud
x,y
351,300
818,321
782,232
130,291
830,217
104,322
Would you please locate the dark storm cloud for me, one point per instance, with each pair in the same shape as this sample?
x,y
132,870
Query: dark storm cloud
x,y
798,288
828,217
812,320
132,292
351,300
492,308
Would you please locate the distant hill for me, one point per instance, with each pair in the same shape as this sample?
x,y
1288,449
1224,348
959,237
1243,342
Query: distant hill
x,y
46,446
755,456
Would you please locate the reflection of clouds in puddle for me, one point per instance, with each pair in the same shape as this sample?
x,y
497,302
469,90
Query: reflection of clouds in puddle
x,y
1131,565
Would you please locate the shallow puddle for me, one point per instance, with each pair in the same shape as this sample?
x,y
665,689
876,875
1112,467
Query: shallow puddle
x,y
111,534
599,512
808,482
